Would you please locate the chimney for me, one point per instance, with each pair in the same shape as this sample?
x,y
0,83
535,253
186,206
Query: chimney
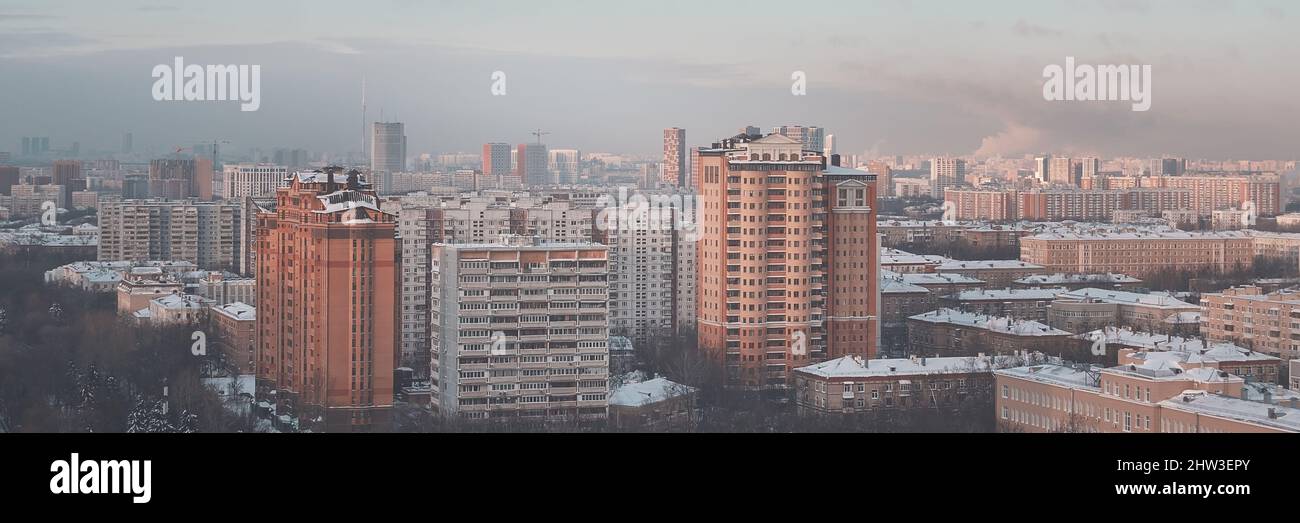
x,y
1293,403
1272,413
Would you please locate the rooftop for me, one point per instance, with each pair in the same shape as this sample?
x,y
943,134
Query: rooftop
x,y
237,310
1196,350
1129,298
1074,377
955,265
1198,402
857,367
641,393
1009,294
1063,278
990,323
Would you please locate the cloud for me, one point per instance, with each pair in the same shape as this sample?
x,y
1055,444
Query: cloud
x,y
6,17
39,43
1015,140
1028,30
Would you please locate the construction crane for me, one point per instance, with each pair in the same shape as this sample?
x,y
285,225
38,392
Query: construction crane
x,y
214,143
539,133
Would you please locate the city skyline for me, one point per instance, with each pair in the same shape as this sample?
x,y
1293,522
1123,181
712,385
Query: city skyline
x,y
962,80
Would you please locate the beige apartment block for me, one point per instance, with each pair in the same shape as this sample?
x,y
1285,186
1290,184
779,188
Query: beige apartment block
x,y
519,329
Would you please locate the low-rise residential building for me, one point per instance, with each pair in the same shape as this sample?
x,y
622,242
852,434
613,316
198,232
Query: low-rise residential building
x,y
1089,309
941,284
174,309
1140,252
1269,323
950,332
655,404
1157,395
852,384
1132,346
138,287
900,299
233,329
996,273
103,276
1080,281
1027,304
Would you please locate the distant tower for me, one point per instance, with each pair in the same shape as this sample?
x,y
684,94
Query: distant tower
x,y
674,172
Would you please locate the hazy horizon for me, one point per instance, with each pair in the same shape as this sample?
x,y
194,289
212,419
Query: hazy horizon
x,y
894,77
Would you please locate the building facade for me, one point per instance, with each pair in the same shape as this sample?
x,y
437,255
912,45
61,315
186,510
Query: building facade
x,y
327,278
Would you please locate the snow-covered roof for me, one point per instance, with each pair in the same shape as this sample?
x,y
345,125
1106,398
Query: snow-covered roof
x,y
1129,298
990,323
1009,294
646,392
894,283
934,278
237,310
1198,350
1140,234
956,265
1066,376
1064,278
181,301
858,367
1284,417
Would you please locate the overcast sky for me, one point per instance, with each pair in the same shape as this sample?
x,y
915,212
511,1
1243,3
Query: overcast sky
x,y
893,76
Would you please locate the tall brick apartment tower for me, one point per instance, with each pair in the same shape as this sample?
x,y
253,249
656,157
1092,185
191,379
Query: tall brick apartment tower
x,y
788,260
327,279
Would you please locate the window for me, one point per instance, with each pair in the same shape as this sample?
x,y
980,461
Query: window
x,y
1004,391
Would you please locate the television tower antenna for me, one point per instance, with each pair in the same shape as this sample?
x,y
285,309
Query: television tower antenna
x,y
364,155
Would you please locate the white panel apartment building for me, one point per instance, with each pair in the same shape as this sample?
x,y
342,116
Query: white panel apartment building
x,y
474,218
520,330
256,180
205,233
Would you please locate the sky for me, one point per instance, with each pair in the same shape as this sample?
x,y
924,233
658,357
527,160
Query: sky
x,y
886,77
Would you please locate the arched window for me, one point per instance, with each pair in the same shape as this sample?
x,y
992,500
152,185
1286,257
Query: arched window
x,y
767,157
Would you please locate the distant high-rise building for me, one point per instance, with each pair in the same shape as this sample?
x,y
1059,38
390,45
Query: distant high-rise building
x,y
531,165
253,180
811,138
327,309
387,147
1173,166
565,165
830,146
68,174
1043,168
8,178
496,160
1061,172
884,177
291,158
172,179
128,143
802,285
1091,167
135,186
751,130
675,166
945,173
35,145
203,178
